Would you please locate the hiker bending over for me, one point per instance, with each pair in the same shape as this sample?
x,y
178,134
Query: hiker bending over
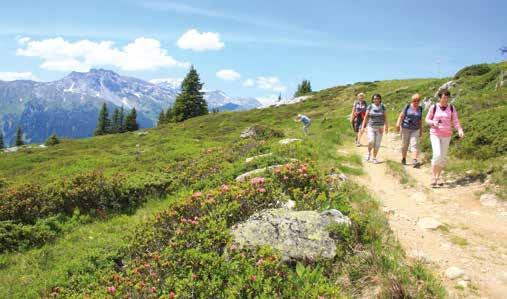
x,y
441,116
306,122
357,116
410,120
376,120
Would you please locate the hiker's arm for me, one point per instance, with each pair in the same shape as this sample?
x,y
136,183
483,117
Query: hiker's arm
x,y
429,116
398,122
386,126
365,121
352,113
457,124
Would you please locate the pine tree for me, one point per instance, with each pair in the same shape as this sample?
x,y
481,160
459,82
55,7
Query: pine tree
x,y
161,118
190,102
115,122
104,123
52,140
2,146
304,88
131,121
121,120
19,137
169,115
279,97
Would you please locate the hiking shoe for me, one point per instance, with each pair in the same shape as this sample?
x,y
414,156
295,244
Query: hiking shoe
x,y
439,182
375,161
404,161
433,182
358,144
367,158
416,163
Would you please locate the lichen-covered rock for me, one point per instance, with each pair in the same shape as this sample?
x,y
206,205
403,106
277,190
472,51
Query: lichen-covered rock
x,y
298,235
289,140
245,176
250,159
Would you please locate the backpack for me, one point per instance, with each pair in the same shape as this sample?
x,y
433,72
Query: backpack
x,y
435,110
381,107
420,108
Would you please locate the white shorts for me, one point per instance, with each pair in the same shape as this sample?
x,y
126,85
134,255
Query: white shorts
x,y
375,136
439,146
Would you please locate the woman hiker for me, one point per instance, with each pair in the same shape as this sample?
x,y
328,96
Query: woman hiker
x,y
357,116
410,121
376,120
441,117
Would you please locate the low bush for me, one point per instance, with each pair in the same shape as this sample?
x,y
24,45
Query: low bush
x,y
473,70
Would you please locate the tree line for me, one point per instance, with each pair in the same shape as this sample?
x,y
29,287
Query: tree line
x,y
118,123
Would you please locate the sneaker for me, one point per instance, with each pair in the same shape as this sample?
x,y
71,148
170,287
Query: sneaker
x,y
367,158
375,161
440,182
404,161
433,182
416,163
358,144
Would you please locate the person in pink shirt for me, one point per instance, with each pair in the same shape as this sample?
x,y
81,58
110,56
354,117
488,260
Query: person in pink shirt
x,y
442,117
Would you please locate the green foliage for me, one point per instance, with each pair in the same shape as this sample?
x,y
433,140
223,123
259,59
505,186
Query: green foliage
x,y
485,135
19,137
190,102
131,121
161,119
103,123
52,140
116,122
473,70
304,88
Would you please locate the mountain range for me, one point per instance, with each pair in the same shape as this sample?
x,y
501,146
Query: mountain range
x,y
69,107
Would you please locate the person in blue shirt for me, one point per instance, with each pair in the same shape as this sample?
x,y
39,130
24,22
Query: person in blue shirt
x,y
306,122
409,123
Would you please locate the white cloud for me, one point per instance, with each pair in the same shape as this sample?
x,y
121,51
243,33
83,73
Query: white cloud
x,y
59,54
174,83
195,41
271,83
228,75
22,40
11,76
249,83
268,100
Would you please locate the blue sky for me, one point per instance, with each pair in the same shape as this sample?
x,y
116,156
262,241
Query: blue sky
x,y
251,48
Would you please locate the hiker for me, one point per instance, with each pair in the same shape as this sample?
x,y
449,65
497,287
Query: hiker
x,y
441,116
306,122
376,120
357,116
410,121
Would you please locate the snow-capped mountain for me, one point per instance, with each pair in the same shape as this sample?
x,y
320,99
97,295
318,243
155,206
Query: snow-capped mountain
x,y
219,99
69,106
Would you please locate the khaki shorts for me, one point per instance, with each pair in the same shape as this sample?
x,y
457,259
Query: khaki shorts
x,y
410,138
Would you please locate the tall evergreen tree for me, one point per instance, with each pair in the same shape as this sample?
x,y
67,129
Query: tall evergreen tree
x,y
104,123
169,115
121,120
304,88
115,121
279,97
19,137
131,121
2,146
161,118
190,102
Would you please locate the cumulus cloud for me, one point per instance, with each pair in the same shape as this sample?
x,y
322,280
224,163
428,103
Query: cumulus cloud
x,y
269,83
11,76
249,83
268,100
228,75
173,82
59,54
195,41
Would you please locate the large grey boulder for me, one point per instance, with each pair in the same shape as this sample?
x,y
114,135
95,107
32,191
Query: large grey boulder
x,y
298,235
248,132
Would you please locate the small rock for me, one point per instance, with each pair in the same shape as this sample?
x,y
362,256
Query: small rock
x,y
489,200
462,283
418,197
247,175
343,177
429,223
454,272
42,145
248,132
248,160
289,140
142,133
388,211
289,205
419,255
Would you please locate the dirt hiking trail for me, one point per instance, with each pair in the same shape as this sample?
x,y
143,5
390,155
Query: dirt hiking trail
x,y
462,241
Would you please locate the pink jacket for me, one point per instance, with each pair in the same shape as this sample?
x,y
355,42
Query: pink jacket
x,y
444,129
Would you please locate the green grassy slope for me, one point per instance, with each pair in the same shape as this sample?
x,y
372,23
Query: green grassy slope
x,y
72,254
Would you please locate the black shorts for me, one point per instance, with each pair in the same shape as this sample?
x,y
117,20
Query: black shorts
x,y
358,122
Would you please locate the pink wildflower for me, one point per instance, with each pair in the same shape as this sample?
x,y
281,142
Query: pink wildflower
x,y
111,290
233,247
257,181
261,190
253,278
152,289
172,294
225,188
259,262
197,194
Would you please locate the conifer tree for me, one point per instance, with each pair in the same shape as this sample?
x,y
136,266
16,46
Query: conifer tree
x,y
190,102
279,97
104,123
161,118
2,146
115,121
131,121
304,88
52,140
19,137
121,120
169,115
